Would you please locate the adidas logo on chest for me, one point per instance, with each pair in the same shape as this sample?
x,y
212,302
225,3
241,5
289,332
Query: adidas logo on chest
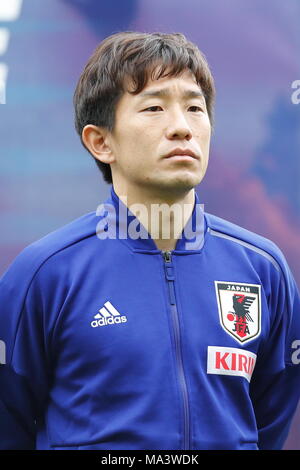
x,y
108,315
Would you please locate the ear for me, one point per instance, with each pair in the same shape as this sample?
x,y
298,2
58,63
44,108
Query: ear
x,y
96,140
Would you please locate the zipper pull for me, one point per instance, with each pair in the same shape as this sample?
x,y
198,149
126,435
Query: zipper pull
x,y
169,273
167,256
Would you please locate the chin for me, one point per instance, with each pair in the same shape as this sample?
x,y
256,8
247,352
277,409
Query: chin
x,y
183,183
186,181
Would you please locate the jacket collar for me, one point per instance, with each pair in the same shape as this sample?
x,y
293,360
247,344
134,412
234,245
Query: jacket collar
x,y
117,221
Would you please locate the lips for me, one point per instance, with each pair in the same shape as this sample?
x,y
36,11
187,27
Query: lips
x,y
182,152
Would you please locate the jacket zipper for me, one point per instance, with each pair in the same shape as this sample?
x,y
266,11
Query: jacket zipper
x,y
169,273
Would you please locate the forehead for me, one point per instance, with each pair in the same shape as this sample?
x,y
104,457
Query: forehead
x,y
184,83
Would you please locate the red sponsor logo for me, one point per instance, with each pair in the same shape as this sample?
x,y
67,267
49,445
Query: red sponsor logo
x,y
230,361
234,361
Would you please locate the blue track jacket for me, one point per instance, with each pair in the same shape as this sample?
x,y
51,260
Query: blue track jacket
x,y
109,343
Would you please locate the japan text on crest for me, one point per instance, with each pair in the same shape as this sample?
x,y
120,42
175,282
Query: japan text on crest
x,y
239,309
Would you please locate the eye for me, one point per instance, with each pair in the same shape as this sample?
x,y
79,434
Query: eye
x,y
153,108
195,109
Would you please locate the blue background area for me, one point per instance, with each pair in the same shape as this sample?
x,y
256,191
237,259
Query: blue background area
x,y
47,178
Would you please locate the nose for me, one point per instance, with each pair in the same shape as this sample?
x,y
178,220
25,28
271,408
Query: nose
x,y
178,127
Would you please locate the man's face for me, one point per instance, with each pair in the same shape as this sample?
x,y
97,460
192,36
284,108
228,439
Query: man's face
x,y
168,116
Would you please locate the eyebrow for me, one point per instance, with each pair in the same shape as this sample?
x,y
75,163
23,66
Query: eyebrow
x,y
165,93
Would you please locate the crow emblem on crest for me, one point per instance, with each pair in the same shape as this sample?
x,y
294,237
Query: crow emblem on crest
x,y
239,307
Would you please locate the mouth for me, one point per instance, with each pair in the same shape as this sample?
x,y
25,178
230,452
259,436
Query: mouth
x,y
180,154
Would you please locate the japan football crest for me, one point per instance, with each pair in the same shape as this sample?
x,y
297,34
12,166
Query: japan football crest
x,y
239,309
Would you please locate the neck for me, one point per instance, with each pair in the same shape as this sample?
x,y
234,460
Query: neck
x,y
164,216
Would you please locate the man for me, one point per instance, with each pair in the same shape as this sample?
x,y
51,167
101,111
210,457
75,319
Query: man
x,y
121,334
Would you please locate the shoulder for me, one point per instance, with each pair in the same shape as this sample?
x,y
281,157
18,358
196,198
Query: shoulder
x,y
28,262
234,234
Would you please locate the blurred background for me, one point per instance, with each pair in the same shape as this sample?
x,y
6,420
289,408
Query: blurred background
x,y
47,178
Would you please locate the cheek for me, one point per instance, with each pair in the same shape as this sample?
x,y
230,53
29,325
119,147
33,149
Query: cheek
x,y
140,142
201,126
133,151
202,137
205,133
136,143
124,145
